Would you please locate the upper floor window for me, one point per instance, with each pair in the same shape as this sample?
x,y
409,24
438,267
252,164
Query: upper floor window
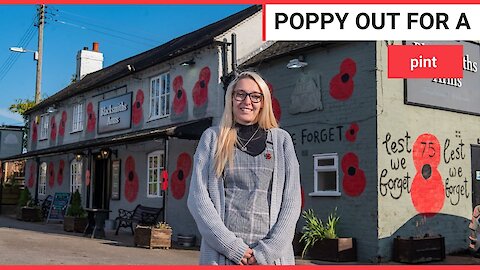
x,y
77,117
156,162
325,174
42,183
44,124
76,176
160,96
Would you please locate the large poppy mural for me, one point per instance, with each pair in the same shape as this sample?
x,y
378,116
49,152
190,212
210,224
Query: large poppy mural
x,y
91,118
180,104
51,174
61,167
428,191
342,85
131,180
200,92
34,132
354,180
137,110
180,175
63,124
277,110
53,129
31,175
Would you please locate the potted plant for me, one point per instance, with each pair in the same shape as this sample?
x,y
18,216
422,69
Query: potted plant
x,y
28,209
151,236
75,219
322,242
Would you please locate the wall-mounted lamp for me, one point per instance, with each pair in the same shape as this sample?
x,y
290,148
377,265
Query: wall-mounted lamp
x,y
106,152
52,109
297,63
79,156
131,68
190,62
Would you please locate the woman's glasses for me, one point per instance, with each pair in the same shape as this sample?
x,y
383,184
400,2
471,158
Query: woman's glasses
x,y
242,95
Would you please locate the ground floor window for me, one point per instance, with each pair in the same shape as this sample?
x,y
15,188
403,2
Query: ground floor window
x,y
76,176
156,161
325,174
42,183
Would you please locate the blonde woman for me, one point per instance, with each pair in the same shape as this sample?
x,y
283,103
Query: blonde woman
x,y
245,188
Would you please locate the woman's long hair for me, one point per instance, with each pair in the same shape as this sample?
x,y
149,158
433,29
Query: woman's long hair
x,y
228,133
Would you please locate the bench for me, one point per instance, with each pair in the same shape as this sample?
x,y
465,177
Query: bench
x,y
143,215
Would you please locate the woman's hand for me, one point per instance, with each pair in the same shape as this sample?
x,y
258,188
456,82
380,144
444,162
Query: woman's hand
x,y
246,256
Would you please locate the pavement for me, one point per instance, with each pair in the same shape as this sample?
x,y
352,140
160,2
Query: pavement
x,y
34,243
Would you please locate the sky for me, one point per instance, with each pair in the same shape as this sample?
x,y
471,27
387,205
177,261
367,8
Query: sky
x,y
122,31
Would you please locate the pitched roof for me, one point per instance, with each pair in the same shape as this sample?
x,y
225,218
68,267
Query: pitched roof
x,y
175,47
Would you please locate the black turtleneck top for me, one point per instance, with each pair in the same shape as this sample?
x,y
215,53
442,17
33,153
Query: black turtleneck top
x,y
258,142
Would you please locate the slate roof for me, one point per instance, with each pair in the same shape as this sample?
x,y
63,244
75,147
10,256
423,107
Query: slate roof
x,y
175,47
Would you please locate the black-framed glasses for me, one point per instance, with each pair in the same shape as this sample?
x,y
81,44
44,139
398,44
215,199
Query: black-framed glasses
x,y
242,95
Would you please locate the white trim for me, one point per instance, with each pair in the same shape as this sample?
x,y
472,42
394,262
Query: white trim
x,y
76,172
325,168
77,117
325,194
42,181
159,96
44,126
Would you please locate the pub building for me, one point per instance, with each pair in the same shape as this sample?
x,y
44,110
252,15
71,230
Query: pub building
x,y
125,134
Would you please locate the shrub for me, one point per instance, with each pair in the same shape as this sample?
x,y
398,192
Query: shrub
x,y
76,209
25,197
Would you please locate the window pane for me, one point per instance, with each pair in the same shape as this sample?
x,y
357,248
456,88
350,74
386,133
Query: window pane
x,y
327,181
325,162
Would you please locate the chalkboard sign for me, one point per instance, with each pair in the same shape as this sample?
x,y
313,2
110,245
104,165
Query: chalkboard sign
x,y
115,180
59,206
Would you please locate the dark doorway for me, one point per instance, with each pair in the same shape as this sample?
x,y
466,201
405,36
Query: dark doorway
x,y
101,183
475,175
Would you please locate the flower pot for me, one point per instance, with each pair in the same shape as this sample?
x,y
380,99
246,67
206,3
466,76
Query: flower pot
x,y
147,236
186,240
30,214
297,244
419,249
334,250
75,224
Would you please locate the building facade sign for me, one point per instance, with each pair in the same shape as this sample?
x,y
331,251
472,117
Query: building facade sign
x,y
115,113
452,94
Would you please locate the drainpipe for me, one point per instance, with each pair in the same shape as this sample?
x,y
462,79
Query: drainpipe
x,y
234,53
165,146
89,168
224,64
37,160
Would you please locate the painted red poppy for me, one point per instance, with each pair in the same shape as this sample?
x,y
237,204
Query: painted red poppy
x,y
137,110
53,129
131,180
87,178
351,133
277,109
51,174
164,180
428,191
180,99
32,175
342,85
34,131
61,166
200,90
354,180
92,119
63,123
180,175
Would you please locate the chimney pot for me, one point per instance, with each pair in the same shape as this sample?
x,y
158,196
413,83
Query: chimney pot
x,y
85,48
95,46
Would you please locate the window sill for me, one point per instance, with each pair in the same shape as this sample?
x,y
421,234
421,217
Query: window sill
x,y
157,118
76,131
325,194
154,197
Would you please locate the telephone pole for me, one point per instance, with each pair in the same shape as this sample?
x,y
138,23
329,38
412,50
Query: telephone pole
x,y
41,24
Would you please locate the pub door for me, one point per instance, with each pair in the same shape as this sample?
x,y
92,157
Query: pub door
x,y
475,175
101,183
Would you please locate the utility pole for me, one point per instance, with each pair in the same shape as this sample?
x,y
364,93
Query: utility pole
x,y
41,24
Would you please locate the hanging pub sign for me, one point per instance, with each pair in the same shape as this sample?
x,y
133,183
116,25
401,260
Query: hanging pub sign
x,y
451,94
115,113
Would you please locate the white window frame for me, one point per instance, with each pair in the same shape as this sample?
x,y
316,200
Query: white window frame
x,y
44,125
42,181
77,117
154,174
76,172
325,168
160,96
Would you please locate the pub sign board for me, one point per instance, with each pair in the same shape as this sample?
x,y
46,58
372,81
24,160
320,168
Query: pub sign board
x,y
115,113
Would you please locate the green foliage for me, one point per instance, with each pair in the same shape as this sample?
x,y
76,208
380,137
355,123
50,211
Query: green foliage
x,y
21,106
315,229
25,197
76,209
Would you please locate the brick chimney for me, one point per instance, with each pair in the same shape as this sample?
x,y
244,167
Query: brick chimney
x,y
88,61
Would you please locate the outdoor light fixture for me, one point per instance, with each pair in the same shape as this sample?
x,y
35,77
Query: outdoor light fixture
x,y
297,63
190,62
104,153
79,156
23,50
52,109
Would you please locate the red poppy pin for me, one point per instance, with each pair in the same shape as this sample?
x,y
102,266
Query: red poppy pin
x,y
268,155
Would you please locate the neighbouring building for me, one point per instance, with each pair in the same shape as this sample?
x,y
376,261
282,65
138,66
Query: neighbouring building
x,y
395,157
117,133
